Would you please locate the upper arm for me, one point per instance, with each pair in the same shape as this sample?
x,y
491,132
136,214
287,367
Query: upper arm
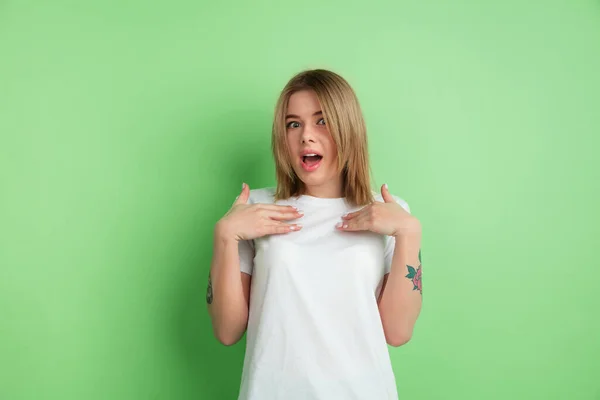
x,y
246,254
390,241
381,287
246,282
389,246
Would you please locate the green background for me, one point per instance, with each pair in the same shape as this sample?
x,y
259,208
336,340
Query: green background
x,y
128,127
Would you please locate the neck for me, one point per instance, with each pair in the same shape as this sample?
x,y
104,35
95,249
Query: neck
x,y
330,190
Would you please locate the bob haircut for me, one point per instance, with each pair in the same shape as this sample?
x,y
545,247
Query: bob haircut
x,y
345,122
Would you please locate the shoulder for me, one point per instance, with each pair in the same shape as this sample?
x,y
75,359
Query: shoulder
x,y
264,195
403,203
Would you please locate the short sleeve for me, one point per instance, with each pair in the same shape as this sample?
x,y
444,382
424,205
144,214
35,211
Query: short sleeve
x,y
390,241
246,253
246,249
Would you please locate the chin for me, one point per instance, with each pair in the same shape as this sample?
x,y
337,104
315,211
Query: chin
x,y
316,178
312,181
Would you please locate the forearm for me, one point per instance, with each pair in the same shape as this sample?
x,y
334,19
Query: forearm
x,y
400,303
228,307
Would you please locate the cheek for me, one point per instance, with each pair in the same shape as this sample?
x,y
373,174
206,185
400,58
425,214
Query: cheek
x,y
291,146
332,149
332,166
332,161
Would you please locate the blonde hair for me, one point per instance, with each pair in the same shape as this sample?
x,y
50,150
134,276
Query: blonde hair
x,y
345,122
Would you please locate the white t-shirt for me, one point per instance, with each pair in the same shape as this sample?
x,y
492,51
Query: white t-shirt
x,y
314,329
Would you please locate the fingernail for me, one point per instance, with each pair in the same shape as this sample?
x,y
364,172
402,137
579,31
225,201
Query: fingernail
x,y
243,186
385,185
338,225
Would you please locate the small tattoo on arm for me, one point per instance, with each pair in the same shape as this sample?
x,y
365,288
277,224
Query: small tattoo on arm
x,y
415,276
209,292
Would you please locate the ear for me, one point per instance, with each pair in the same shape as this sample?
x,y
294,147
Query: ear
x,y
385,193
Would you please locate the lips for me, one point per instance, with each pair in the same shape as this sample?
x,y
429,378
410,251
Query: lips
x,y
310,160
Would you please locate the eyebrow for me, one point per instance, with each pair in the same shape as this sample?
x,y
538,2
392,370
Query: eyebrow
x,y
296,116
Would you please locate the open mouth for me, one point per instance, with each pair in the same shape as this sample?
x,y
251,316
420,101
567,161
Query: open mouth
x,y
310,162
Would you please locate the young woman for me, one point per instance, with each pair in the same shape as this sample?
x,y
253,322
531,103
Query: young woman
x,y
321,271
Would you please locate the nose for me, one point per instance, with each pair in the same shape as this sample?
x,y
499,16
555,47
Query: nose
x,y
308,136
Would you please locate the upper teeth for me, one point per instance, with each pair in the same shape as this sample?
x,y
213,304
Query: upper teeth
x,y
310,155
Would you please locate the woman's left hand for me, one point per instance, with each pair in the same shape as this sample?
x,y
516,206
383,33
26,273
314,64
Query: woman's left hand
x,y
387,218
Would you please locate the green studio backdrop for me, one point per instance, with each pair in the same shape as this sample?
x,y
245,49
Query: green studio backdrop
x,y
128,127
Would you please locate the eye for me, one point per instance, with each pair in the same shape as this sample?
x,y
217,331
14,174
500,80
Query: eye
x,y
322,119
289,124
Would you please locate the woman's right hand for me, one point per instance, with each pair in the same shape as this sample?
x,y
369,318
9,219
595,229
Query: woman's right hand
x,y
250,221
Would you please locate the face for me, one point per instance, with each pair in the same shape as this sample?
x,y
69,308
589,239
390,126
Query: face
x,y
312,149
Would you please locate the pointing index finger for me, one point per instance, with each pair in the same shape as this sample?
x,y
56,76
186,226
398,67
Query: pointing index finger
x,y
351,215
279,208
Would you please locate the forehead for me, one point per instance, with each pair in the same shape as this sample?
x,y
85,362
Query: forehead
x,y
303,102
